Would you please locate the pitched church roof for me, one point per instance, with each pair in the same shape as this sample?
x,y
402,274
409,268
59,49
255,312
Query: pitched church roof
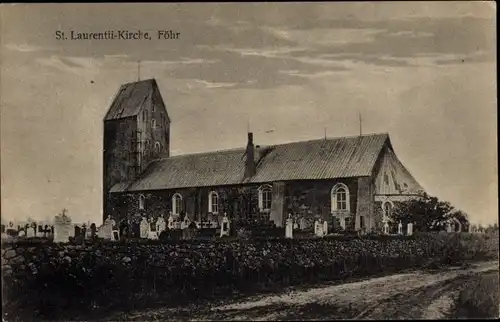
x,y
131,97
308,160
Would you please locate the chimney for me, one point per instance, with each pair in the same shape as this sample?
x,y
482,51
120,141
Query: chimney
x,y
250,160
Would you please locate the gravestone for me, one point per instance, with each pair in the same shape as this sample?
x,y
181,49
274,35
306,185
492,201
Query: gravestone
x,y
30,232
88,233
62,227
123,228
115,236
289,227
318,229
78,231
185,223
171,221
21,233
410,229
449,227
302,223
152,234
400,228
224,231
386,228
144,228
325,228
295,225
40,232
160,225
106,230
93,230
136,228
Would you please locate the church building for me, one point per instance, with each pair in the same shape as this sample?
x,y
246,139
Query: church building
x,y
354,180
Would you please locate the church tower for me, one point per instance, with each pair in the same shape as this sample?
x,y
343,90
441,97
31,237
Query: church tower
x,y
136,131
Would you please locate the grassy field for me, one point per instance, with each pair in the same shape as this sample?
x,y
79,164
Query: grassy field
x,y
479,297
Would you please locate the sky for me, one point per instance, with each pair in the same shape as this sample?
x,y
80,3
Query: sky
x,y
424,72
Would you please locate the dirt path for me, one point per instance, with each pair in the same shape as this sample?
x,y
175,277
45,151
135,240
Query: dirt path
x,y
403,296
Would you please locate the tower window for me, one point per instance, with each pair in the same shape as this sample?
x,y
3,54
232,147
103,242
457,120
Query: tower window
x,y
153,123
157,147
153,108
145,114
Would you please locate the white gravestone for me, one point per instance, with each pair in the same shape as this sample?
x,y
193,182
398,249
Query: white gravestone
x,y
325,228
62,227
72,231
400,228
21,233
160,225
289,227
449,227
171,221
386,228
145,227
302,223
410,229
185,223
30,232
224,230
106,230
295,225
88,233
115,235
318,229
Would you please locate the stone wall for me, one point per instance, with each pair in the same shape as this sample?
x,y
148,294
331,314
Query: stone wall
x,y
118,157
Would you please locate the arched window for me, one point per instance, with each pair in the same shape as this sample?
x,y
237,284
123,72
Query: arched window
x,y
142,201
157,147
177,204
144,115
340,198
213,202
387,208
265,197
153,123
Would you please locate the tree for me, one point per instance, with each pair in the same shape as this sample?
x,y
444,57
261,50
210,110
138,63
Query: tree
x,y
427,213
462,217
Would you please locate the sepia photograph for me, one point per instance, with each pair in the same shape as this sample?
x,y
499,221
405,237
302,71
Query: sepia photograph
x,y
249,161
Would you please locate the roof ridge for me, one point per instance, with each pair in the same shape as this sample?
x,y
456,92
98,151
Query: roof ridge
x,y
329,139
139,81
268,146
202,153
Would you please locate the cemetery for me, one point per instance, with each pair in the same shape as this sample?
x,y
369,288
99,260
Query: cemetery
x,y
69,270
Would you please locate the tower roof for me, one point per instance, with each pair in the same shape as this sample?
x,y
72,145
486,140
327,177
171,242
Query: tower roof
x,y
131,97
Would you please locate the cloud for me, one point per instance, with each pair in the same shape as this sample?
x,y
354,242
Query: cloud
x,y
213,84
75,65
26,48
